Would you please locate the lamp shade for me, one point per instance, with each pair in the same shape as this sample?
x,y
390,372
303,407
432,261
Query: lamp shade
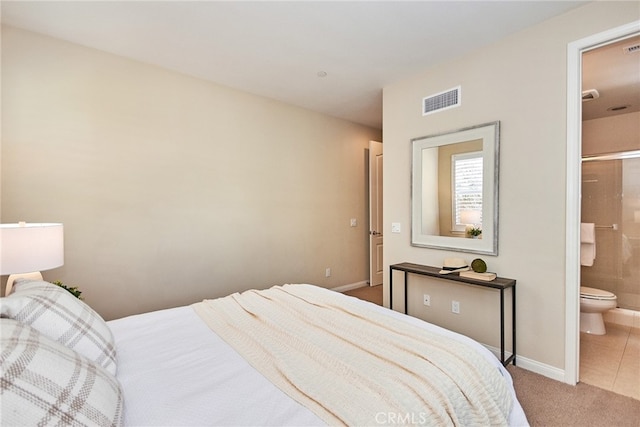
x,y
25,248
470,217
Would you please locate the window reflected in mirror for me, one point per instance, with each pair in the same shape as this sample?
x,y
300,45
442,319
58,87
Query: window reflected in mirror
x,y
454,182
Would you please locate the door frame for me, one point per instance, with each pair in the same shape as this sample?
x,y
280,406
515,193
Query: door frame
x,y
574,190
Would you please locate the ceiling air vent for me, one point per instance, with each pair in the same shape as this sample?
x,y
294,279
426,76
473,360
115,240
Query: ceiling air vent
x,y
634,48
442,101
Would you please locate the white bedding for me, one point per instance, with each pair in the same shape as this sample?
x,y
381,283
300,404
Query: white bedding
x,y
175,371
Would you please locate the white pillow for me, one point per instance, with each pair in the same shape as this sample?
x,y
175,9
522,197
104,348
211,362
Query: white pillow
x,y
46,383
62,317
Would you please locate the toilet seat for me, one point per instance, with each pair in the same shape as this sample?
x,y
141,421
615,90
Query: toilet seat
x,y
596,294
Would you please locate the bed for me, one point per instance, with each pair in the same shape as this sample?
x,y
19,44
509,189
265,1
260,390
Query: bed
x,y
288,355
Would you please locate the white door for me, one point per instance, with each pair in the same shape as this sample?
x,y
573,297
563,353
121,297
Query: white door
x,y
375,213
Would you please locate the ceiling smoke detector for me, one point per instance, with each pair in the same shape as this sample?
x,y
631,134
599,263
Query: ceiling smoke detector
x,y
590,94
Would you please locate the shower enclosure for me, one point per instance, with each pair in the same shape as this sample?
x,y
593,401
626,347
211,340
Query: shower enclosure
x,y
611,200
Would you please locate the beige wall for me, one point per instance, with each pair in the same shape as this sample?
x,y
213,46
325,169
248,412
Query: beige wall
x,y
520,81
173,189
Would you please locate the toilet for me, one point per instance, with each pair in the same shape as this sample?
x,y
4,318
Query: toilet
x,y
594,302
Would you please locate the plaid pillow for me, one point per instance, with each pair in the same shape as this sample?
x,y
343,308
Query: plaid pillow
x,y
45,383
62,317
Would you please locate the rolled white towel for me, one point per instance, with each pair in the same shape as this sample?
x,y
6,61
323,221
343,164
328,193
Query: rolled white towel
x,y
587,232
587,244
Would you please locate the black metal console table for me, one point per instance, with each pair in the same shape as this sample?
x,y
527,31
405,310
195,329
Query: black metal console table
x,y
499,283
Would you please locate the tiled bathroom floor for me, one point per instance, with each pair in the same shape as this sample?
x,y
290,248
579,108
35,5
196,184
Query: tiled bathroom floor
x,y
612,361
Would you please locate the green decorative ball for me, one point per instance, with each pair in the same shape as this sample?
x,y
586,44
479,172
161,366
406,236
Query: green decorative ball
x,y
479,266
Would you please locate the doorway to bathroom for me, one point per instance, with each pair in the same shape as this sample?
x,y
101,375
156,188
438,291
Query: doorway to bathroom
x,y
610,190
575,51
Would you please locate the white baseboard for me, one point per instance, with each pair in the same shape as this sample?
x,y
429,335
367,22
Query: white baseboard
x,y
541,368
532,365
351,286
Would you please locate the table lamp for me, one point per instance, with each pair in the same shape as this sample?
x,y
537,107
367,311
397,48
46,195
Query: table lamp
x,y
27,249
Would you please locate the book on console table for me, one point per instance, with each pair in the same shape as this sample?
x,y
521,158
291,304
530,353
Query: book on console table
x,y
478,276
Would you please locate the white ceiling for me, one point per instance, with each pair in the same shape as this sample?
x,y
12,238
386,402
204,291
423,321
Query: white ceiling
x,y
277,49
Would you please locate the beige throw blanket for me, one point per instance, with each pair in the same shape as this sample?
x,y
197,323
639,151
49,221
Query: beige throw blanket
x,y
352,365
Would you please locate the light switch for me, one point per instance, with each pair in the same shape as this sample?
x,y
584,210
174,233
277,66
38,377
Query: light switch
x,y
354,222
395,227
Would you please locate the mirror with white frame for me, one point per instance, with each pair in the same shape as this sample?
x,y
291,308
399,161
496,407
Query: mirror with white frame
x,y
454,195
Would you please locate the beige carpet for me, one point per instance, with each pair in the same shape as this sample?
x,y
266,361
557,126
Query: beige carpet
x,y
368,293
552,403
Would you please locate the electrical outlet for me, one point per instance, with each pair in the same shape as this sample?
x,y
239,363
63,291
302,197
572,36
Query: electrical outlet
x,y
354,222
455,307
327,272
427,300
